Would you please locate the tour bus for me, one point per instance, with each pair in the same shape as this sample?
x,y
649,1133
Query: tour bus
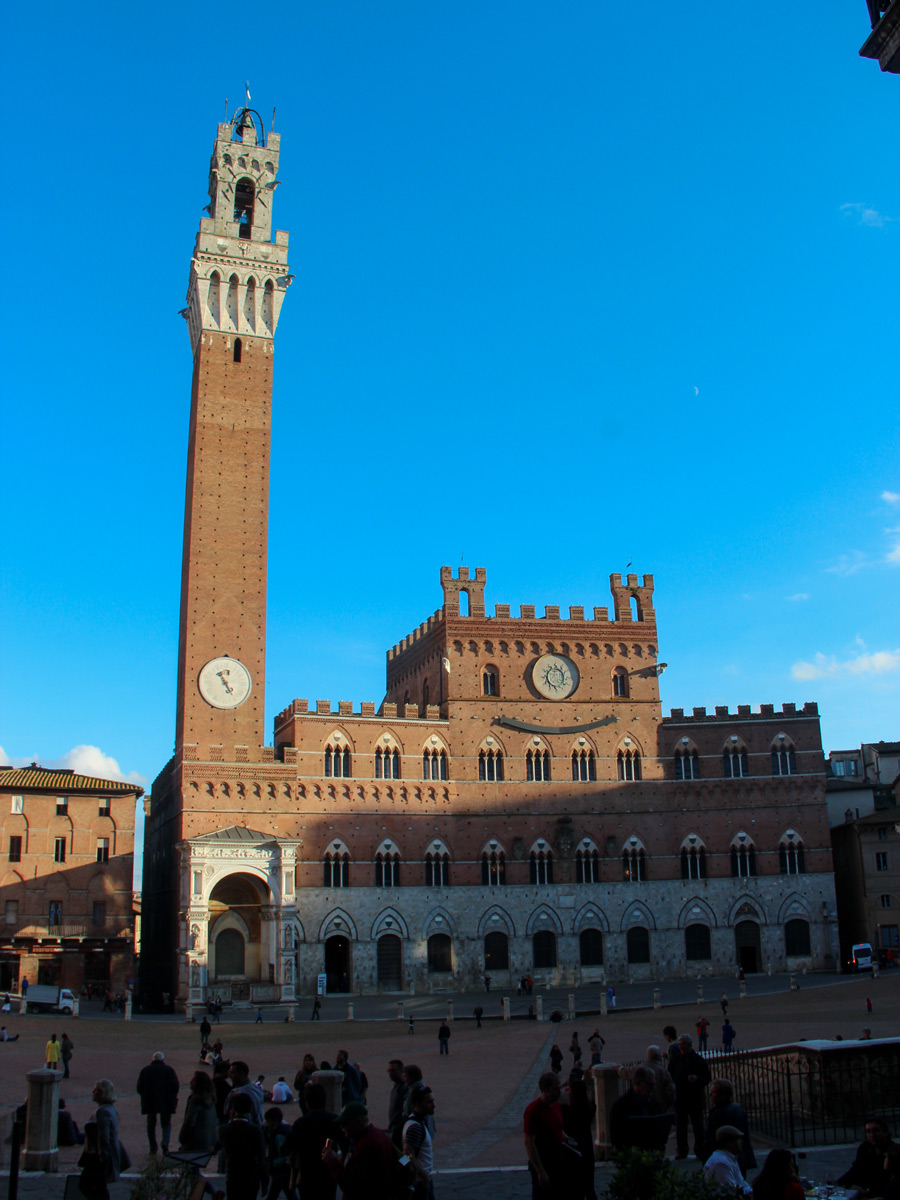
x,y
862,957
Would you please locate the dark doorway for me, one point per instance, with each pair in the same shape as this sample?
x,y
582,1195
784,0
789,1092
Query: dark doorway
x,y
440,953
390,962
50,972
337,963
496,952
543,949
9,975
746,941
229,953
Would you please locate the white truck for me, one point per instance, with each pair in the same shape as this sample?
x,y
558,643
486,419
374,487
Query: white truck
x,y
43,997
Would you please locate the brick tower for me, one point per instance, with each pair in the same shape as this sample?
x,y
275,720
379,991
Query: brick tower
x,y
237,282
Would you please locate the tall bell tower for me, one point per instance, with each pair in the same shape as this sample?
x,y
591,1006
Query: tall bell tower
x,y
238,278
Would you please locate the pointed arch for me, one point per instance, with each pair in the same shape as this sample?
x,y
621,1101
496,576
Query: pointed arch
x,y
446,924
503,924
794,907
697,910
543,917
337,923
389,920
590,916
747,908
637,914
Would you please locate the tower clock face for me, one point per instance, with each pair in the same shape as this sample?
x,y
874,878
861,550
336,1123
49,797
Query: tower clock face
x,y
555,676
224,682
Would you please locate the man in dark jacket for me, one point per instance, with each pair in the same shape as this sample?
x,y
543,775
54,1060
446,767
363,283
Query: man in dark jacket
x,y
157,1087
245,1152
690,1075
868,1171
397,1101
628,1117
724,1111
308,1137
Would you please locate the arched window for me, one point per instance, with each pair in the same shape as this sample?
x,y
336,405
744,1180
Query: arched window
x,y
541,866
426,695
629,765
244,195
791,856
584,766
490,766
797,943
434,764
590,946
620,682
587,866
697,943
637,942
543,949
743,857
337,762
230,948
387,763
490,681
734,763
496,951
387,869
437,869
337,869
693,859
784,759
634,864
237,350
687,764
440,953
537,766
493,868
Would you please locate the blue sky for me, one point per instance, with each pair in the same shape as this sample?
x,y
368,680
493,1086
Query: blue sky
x,y
575,286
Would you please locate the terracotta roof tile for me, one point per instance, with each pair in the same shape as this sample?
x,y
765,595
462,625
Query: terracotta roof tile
x,y
46,779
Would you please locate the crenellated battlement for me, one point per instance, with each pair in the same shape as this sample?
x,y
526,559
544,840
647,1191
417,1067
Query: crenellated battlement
x,y
367,710
417,634
743,713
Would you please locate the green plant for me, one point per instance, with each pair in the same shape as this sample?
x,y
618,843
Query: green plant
x,y
648,1175
162,1180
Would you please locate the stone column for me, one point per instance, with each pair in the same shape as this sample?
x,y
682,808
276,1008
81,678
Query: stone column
x,y
539,1007
332,1082
606,1092
41,1153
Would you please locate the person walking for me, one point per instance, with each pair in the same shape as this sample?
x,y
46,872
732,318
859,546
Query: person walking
x,y
575,1050
444,1038
317,1007
556,1059
596,1044
702,1034
578,1126
259,1017
277,1134
611,996
479,1013
417,1142
51,1053
396,1101
244,1149
723,1001
690,1075
728,1035
205,1031
544,1139
157,1086
113,1154
66,1050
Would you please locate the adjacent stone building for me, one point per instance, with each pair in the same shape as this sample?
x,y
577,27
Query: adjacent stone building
x,y
66,889
516,804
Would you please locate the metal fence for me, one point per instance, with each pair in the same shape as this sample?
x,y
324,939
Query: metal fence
x,y
814,1095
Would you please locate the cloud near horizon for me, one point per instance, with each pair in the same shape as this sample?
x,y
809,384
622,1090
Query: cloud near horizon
x,y
83,760
823,667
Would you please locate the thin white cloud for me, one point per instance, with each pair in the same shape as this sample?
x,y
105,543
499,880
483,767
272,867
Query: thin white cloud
x,y
825,667
866,215
849,564
83,760
797,597
891,497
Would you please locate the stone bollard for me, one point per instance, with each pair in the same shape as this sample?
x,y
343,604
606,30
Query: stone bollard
x,y
604,1004
41,1153
699,993
332,1082
127,1007
743,990
412,988
656,999
874,968
769,970
76,1007
349,1018
399,1010
795,987
571,1006
188,1011
606,1092
449,1012
539,1007
291,1015
504,1004
23,1007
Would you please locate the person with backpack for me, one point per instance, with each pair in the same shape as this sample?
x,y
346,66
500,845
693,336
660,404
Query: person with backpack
x,y
417,1143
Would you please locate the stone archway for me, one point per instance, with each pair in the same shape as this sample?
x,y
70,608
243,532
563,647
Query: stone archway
x,y
239,952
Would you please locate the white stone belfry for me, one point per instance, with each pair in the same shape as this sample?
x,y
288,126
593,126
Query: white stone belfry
x,y
239,275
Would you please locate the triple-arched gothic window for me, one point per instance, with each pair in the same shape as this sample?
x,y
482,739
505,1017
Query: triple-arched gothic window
x,y
687,764
435,764
336,868
493,868
628,763
541,864
337,762
743,857
791,854
587,865
735,764
584,766
490,766
784,759
634,863
693,858
387,763
537,766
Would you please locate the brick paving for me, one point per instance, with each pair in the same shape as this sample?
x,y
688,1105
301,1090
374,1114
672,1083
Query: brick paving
x,y
481,1088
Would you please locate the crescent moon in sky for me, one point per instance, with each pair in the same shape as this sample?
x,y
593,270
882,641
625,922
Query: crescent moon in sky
x,y
696,391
